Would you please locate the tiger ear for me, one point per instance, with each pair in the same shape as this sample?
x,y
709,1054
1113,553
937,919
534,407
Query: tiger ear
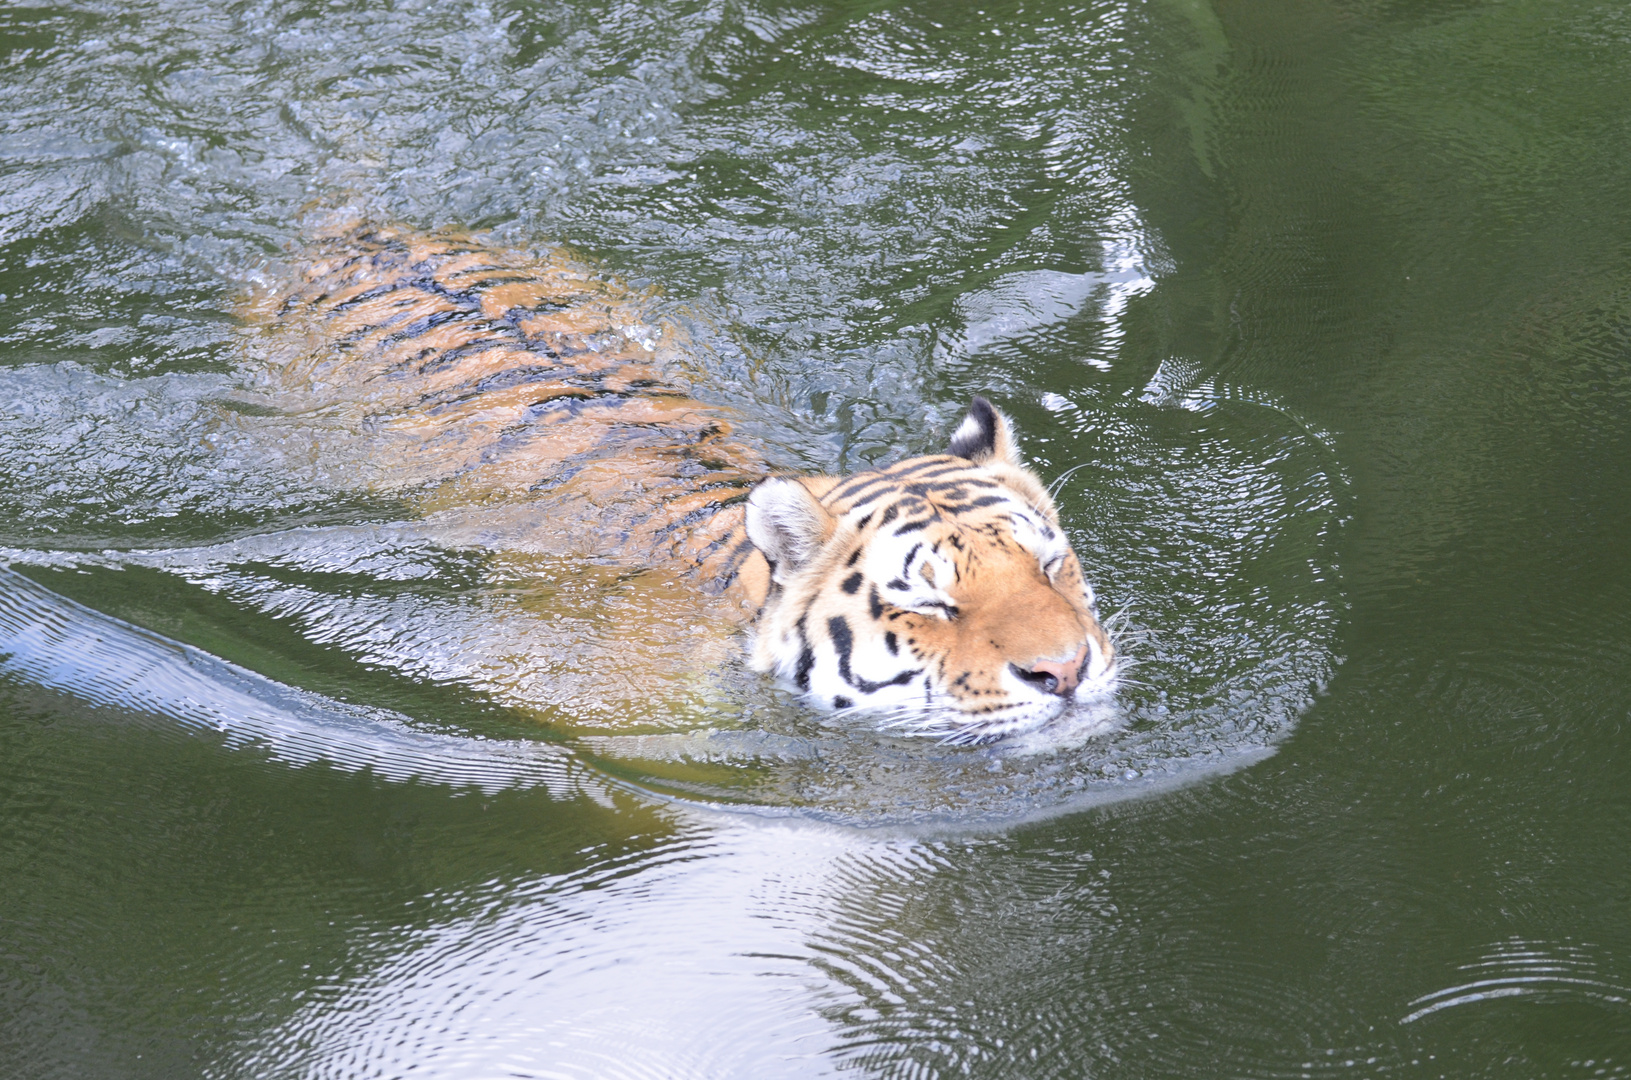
x,y
985,435
787,524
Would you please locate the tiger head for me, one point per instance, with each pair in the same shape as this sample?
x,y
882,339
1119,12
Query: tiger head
x,y
941,588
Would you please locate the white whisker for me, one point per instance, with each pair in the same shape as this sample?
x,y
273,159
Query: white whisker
x,y
1053,488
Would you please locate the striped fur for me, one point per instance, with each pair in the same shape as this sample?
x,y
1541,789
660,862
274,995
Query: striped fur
x,y
941,588
945,592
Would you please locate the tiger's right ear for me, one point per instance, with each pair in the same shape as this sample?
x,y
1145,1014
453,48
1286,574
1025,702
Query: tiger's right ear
x,y
786,524
985,435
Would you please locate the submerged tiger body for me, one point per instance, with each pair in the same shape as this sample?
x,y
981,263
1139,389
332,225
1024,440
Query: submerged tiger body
x,y
530,393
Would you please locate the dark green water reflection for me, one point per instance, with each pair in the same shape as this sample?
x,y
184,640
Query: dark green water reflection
x,y
1333,299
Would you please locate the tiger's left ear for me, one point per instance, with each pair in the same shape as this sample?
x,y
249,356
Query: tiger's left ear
x,y
985,435
787,524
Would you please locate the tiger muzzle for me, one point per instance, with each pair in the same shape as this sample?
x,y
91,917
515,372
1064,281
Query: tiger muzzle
x,y
1060,677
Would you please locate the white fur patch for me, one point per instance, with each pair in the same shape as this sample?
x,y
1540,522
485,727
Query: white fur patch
x,y
786,523
969,429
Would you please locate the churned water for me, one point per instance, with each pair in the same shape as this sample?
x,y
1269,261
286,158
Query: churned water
x,y
1204,507
1315,314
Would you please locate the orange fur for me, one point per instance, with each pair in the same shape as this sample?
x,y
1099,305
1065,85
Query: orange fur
x,y
514,380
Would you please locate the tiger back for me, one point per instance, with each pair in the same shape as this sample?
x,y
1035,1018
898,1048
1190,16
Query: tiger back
x,y
513,382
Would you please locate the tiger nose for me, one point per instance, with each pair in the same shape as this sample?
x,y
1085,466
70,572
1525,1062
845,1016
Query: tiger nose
x,y
1055,676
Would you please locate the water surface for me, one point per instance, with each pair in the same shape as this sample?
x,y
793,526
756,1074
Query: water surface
x,y
1325,305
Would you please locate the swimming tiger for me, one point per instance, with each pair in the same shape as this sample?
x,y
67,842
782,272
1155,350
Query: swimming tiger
x,y
941,589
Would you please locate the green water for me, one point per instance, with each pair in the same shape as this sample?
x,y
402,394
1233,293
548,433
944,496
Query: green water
x,y
1331,301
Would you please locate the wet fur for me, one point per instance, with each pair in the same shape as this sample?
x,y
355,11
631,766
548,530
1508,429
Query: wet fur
x,y
514,380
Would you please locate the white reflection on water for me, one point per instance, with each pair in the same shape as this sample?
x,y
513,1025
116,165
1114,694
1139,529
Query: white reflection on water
x,y
1019,305
700,964
703,959
56,643
1542,971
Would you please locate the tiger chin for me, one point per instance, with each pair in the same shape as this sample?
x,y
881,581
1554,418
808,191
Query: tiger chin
x,y
940,589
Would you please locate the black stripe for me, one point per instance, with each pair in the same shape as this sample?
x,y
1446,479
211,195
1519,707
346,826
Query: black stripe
x,y
863,488
844,641
883,490
367,295
446,358
801,677
955,465
855,484
906,564
950,487
424,325
928,467
975,504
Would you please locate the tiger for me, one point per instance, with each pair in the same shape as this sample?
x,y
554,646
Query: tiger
x,y
939,592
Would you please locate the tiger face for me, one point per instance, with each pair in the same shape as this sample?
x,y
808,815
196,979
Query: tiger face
x,y
941,588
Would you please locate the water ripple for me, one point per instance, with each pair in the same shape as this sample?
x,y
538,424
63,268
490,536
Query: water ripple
x,y
1540,970
56,643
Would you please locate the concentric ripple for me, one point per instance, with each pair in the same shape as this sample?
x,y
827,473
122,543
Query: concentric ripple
x,y
1532,970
